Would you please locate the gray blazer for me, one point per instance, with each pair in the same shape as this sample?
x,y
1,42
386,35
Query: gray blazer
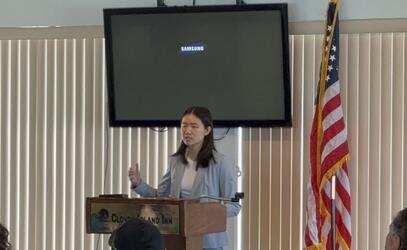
x,y
218,179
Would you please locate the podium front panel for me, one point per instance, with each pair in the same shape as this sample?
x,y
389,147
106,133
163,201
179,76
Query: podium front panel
x,y
106,216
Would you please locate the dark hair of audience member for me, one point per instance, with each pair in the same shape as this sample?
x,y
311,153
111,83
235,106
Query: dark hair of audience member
x,y
399,227
4,243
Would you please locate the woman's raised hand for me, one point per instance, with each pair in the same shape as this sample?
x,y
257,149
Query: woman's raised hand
x,y
134,175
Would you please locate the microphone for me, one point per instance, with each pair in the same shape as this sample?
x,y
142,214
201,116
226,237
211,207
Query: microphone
x,y
238,197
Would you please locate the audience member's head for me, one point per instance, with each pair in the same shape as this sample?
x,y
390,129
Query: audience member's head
x,y
4,243
136,234
397,237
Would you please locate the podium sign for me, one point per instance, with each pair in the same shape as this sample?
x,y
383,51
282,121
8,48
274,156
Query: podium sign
x,y
105,217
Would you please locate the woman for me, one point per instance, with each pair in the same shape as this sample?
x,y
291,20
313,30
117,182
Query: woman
x,y
4,244
195,169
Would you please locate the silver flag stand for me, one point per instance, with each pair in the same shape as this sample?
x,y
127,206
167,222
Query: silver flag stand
x,y
333,217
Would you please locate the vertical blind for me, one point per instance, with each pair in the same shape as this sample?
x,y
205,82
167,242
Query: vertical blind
x,y
56,147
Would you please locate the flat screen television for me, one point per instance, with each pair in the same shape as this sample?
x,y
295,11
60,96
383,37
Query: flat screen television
x,y
232,59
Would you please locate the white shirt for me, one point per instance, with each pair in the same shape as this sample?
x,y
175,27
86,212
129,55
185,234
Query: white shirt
x,y
188,179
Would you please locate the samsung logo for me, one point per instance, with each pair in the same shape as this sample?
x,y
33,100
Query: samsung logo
x,y
192,49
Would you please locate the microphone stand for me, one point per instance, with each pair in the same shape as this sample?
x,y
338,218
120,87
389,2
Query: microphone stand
x,y
237,198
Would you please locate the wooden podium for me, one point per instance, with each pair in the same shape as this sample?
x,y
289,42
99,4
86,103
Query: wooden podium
x,y
182,223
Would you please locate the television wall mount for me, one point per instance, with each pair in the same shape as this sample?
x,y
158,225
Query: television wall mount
x,y
161,3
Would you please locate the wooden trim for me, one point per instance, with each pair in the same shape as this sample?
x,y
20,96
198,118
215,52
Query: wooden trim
x,y
32,33
350,26
294,28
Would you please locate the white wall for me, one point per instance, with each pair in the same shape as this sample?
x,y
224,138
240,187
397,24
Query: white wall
x,y
15,13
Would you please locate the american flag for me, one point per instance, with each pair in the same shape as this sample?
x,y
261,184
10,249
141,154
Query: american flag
x,y
329,152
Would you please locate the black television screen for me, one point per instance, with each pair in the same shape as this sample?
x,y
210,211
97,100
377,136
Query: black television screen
x,y
232,59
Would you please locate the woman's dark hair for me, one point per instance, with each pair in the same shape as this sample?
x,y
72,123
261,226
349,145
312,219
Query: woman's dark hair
x,y
4,244
205,155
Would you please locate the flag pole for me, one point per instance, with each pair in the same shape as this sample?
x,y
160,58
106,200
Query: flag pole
x,y
333,209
